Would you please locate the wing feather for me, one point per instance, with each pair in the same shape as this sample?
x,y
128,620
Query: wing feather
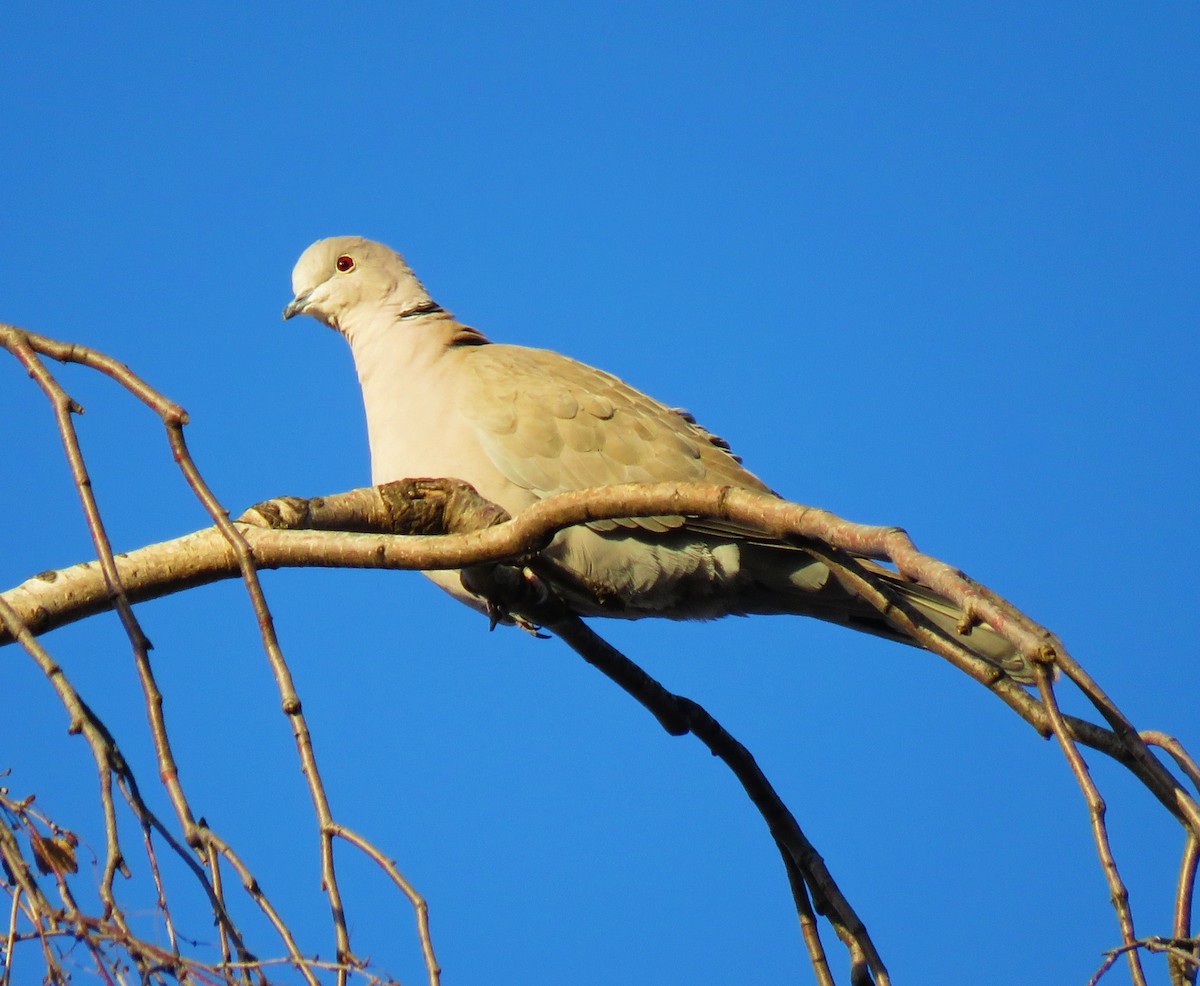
x,y
551,424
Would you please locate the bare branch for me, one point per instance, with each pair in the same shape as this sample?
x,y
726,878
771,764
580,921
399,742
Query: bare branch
x,y
443,524
27,348
54,598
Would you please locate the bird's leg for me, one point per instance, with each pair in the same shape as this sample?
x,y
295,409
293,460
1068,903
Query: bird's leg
x,y
507,590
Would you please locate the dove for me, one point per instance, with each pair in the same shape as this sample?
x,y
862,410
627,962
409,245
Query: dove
x,y
521,424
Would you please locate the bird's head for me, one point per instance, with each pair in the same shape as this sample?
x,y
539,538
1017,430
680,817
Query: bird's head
x,y
335,276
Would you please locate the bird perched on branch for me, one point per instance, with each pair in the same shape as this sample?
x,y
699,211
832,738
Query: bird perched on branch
x,y
522,424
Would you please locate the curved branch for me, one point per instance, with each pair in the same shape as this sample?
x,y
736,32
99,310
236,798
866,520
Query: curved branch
x,y
53,599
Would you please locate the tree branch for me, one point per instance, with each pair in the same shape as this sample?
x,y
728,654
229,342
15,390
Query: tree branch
x,y
51,599
447,526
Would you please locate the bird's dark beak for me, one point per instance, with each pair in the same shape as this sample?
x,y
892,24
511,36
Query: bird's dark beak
x,y
297,305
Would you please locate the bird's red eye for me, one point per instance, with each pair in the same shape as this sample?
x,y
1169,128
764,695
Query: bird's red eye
x,y
345,263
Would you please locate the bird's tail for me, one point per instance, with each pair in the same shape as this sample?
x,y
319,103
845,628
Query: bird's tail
x,y
981,640
795,581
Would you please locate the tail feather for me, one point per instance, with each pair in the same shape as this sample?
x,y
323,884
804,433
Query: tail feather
x,y
980,640
798,582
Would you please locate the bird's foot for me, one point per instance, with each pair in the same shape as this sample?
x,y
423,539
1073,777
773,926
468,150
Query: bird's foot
x,y
505,591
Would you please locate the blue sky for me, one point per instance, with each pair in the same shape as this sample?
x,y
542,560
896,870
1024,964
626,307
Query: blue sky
x,y
930,266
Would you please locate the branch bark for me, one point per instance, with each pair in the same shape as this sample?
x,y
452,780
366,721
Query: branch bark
x,y
290,532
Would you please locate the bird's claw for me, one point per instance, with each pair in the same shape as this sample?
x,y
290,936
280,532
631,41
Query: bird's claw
x,y
531,628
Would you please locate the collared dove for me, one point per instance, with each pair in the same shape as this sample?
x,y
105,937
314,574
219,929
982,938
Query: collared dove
x,y
522,424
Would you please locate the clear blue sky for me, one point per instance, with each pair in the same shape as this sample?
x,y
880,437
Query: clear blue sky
x,y
931,265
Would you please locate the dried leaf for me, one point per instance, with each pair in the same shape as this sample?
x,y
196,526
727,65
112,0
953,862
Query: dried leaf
x,y
54,855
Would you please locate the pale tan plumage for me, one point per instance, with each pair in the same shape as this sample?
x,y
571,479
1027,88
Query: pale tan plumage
x,y
521,424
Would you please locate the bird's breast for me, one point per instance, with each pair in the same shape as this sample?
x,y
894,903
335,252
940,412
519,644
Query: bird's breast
x,y
416,428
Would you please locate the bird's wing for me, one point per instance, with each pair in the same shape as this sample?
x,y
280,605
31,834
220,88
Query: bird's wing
x,y
551,424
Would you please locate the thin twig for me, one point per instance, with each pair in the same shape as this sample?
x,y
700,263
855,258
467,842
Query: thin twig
x,y
807,917
25,345
11,940
1096,809
1154,944
420,907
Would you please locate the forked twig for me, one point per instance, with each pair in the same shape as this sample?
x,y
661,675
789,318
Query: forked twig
x,y
679,715
28,348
